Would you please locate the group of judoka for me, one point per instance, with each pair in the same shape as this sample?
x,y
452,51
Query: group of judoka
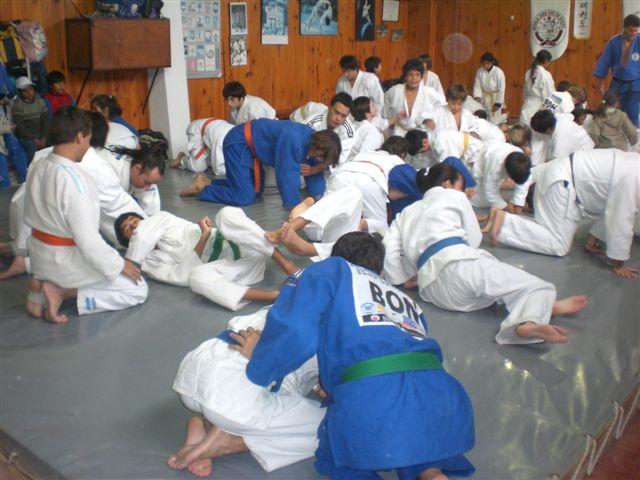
x,y
341,365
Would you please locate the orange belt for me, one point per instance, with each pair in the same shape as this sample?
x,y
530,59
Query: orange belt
x,y
256,160
54,240
203,148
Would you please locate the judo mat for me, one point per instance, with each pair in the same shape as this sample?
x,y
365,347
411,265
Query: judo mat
x,y
92,399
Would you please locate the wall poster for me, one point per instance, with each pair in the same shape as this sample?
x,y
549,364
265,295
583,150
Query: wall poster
x,y
275,22
201,37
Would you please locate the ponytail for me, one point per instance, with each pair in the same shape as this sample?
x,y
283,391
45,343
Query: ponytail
x,y
543,56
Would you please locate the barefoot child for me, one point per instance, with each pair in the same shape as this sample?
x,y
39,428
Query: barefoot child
x,y
204,146
277,428
220,263
377,365
437,239
69,258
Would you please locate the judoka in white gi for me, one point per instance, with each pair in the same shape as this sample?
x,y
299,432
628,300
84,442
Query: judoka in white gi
x,y
602,185
121,136
538,85
336,118
243,107
357,83
69,258
308,110
431,78
220,263
558,136
489,88
408,104
434,243
204,146
277,428
452,115
367,137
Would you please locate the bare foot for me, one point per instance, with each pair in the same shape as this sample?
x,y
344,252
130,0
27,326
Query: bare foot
x,y
176,162
498,220
490,218
195,434
201,468
594,245
569,305
33,304
54,295
301,208
433,474
216,443
273,235
295,243
196,187
18,266
548,333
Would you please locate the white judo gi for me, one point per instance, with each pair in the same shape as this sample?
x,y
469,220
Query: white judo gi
x,y
164,245
367,138
120,136
432,80
606,190
251,109
566,138
487,131
279,428
462,277
204,145
62,200
345,131
536,93
366,85
308,110
489,87
452,143
489,171
445,120
395,102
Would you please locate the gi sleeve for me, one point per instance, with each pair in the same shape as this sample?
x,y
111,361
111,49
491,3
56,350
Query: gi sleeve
x,y
149,199
501,87
290,153
477,84
291,333
162,266
606,60
145,238
397,269
492,179
470,222
375,93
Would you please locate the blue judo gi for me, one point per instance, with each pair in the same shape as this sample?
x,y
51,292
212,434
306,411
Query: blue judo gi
x,y
408,420
280,144
402,178
626,78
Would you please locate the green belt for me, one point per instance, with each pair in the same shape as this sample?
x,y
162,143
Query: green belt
x,y
217,247
397,362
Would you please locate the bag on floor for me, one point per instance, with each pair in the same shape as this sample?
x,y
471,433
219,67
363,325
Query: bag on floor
x,y
10,49
32,39
120,8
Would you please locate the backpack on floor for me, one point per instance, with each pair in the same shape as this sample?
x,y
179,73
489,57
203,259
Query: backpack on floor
x,y
10,49
32,39
120,8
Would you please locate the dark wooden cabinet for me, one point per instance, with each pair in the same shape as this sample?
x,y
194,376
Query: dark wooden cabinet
x,y
117,43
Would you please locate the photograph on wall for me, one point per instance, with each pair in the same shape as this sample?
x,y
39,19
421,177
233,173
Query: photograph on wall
x,y
396,35
201,37
238,18
382,31
318,17
366,20
238,50
390,10
275,22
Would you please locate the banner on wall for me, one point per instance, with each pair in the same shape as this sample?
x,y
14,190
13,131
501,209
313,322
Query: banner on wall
x,y
550,26
630,7
582,10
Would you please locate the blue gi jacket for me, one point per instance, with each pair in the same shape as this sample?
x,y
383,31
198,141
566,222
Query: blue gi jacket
x,y
611,58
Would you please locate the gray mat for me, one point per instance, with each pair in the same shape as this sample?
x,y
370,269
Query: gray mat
x,y
92,398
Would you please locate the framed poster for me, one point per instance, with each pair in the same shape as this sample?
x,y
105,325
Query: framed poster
x,y
201,37
238,18
390,10
275,22
366,20
318,17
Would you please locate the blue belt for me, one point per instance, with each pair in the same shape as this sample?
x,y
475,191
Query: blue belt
x,y
436,247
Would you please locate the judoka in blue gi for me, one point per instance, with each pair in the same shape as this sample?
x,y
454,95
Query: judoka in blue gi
x,y
390,404
282,145
621,55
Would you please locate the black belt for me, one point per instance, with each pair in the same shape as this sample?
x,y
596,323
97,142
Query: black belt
x,y
573,180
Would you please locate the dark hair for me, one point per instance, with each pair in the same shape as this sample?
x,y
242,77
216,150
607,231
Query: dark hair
x,y
343,98
543,121
579,112
488,57
150,157
436,176
117,226
480,113
543,56
361,106
631,21
456,91
328,142
361,248
519,135
396,145
411,65
349,62
414,138
609,99
371,63
425,58
563,86
55,76
234,89
108,102
99,130
518,167
66,123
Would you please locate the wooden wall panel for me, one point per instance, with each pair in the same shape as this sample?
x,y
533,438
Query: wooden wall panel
x,y
129,86
502,27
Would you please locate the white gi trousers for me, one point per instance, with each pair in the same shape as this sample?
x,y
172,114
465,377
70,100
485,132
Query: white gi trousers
x,y
336,213
110,295
374,198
